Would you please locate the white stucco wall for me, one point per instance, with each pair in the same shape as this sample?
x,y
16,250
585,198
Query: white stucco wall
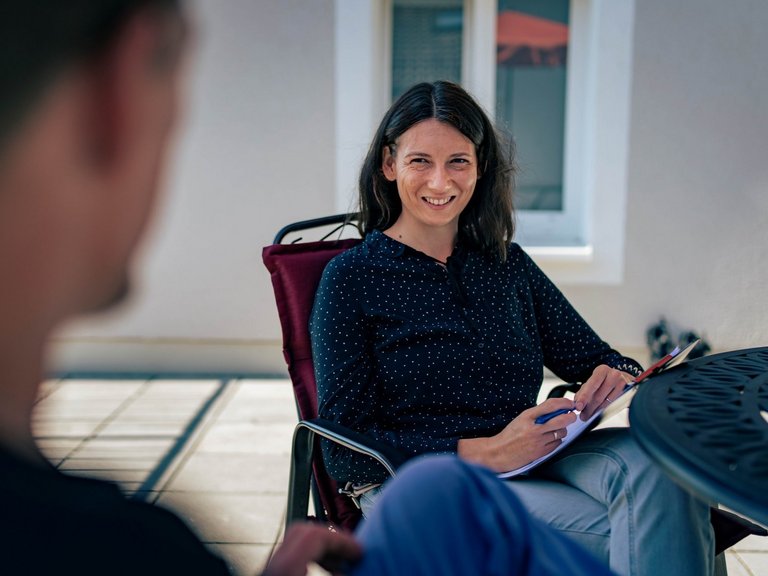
x,y
257,151
697,215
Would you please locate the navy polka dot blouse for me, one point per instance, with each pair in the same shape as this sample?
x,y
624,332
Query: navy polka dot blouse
x,y
418,354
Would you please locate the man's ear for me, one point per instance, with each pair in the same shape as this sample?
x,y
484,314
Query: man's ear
x,y
388,164
132,84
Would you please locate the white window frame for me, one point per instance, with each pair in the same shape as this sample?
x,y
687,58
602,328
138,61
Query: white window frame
x,y
597,119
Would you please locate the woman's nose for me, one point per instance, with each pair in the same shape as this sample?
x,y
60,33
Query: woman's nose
x,y
439,179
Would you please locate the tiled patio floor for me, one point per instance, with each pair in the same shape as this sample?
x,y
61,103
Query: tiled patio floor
x,y
215,451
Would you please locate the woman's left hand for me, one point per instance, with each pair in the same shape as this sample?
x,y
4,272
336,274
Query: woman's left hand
x,y
603,387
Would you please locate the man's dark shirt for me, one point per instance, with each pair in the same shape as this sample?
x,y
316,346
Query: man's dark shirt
x,y
419,354
56,524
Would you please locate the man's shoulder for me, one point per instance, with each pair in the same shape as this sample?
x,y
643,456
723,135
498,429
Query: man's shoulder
x,y
66,522
41,487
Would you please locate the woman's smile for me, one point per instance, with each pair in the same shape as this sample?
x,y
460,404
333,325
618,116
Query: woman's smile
x,y
439,202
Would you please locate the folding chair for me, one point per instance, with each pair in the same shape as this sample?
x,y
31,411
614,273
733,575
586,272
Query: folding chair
x,y
296,269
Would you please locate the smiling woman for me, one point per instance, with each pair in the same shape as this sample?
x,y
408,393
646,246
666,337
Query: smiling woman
x,y
432,335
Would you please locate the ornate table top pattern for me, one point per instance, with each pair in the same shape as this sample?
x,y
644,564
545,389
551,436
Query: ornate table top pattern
x,y
706,423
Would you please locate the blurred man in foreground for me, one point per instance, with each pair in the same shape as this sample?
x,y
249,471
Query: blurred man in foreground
x,y
88,102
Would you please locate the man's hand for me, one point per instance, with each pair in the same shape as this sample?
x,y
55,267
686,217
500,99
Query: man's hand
x,y
305,542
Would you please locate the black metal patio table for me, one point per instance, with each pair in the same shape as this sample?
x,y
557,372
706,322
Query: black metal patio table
x,y
706,423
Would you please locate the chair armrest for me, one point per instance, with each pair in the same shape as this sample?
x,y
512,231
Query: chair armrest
x,y
303,449
385,454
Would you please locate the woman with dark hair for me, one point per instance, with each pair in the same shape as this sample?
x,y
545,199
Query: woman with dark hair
x,y
487,222
433,333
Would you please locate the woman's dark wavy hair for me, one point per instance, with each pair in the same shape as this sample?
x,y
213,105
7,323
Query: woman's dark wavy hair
x,y
487,223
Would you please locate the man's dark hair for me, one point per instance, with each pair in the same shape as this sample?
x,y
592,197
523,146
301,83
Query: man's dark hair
x,y
40,37
487,223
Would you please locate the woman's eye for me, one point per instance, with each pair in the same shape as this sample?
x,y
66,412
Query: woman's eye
x,y
460,163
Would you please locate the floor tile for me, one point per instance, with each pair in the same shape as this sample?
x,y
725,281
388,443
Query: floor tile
x,y
181,389
95,464
736,567
256,438
168,408
83,410
58,448
753,544
119,476
130,448
757,562
159,393
45,443
64,428
265,473
261,401
83,401
143,428
80,390
229,518
243,559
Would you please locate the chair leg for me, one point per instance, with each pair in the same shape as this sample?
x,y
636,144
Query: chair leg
x,y
720,567
317,501
300,476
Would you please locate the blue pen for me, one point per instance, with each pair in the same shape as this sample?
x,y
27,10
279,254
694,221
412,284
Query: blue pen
x,y
547,417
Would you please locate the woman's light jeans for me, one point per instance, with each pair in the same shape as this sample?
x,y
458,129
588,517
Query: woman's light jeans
x,y
606,494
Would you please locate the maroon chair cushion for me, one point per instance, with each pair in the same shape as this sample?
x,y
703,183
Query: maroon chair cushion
x,y
296,270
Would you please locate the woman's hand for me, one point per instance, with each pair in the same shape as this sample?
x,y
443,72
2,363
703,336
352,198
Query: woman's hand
x,y
305,542
522,440
603,387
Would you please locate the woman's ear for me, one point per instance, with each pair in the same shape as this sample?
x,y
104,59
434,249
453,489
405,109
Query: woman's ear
x,y
388,164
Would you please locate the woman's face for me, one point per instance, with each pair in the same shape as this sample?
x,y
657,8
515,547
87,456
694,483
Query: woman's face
x,y
435,167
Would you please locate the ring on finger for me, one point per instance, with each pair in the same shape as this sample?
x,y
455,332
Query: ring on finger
x,y
555,433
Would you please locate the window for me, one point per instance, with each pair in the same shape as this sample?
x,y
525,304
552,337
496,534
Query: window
x,y
556,74
531,53
426,42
